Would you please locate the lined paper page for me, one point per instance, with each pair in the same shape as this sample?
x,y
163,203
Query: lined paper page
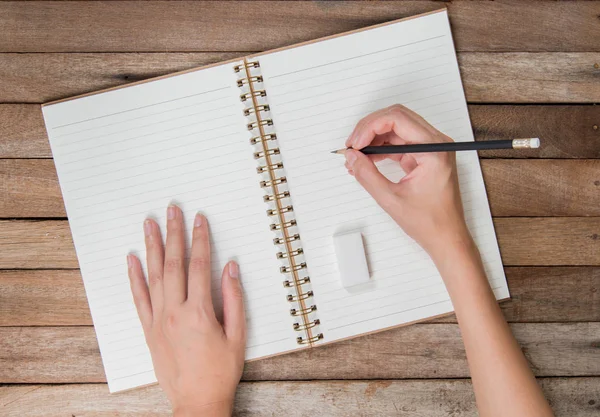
x,y
317,93
126,154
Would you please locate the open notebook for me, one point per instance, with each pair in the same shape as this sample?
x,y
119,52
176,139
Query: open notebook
x,y
126,153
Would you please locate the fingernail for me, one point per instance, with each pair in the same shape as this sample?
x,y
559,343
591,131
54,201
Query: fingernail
x,y
198,220
129,261
350,157
147,227
171,212
234,270
350,141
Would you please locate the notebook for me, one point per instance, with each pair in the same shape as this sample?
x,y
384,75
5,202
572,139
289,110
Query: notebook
x,y
247,143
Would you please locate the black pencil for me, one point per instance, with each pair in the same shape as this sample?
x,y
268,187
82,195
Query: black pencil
x,y
527,143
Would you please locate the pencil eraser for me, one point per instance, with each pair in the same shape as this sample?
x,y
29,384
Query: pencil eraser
x,y
535,142
351,258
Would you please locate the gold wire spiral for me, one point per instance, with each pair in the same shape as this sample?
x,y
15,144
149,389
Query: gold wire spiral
x,y
279,196
277,226
252,64
276,181
283,255
257,93
299,297
282,224
287,269
309,325
301,281
262,107
286,209
257,139
265,168
303,311
254,125
261,154
255,79
303,341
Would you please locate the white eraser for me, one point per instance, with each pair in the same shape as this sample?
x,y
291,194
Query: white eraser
x,y
351,258
535,142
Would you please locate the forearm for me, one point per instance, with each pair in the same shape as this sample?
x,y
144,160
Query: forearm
x,y
502,380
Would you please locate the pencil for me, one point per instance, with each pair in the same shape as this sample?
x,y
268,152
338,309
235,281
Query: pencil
x,y
528,143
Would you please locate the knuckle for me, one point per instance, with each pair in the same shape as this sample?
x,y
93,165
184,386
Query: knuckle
x,y
154,278
173,264
397,108
199,263
171,322
236,292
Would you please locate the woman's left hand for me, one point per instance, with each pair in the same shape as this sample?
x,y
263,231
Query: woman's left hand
x,y
198,362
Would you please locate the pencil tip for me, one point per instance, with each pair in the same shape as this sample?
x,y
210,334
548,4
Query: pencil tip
x,y
334,151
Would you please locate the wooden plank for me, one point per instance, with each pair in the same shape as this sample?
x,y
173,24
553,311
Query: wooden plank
x,y
543,187
531,78
22,132
560,187
570,131
567,131
249,26
570,397
531,241
538,294
43,298
37,354
549,241
36,244
39,78
518,77
30,187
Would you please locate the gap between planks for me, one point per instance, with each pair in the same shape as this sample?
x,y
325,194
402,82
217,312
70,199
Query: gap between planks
x,y
567,131
538,295
507,77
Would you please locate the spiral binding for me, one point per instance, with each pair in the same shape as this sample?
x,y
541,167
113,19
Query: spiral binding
x,y
291,253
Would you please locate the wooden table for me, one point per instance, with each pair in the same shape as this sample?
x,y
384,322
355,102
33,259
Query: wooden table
x,y
529,69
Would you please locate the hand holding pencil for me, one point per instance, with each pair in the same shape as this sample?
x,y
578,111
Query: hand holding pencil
x,y
426,203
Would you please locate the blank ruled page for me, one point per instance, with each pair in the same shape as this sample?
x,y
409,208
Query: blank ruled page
x,y
317,93
126,154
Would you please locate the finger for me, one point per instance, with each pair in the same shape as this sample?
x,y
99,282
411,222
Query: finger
x,y
407,125
407,162
199,276
139,290
155,262
175,283
234,315
367,174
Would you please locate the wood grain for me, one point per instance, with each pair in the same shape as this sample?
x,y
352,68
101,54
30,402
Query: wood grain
x,y
517,77
570,397
531,241
43,298
549,241
22,132
37,354
569,131
538,294
244,26
544,187
36,244
566,131
560,187
30,187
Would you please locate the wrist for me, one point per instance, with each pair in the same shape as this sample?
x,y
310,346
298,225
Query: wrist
x,y
456,249
216,409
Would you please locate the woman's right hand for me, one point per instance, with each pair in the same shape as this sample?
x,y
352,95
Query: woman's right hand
x,y
426,202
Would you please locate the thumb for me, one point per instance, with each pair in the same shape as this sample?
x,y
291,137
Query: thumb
x,y
367,174
234,315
